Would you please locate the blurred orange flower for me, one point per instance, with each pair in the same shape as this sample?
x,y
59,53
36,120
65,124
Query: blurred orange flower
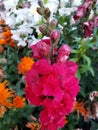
x,y
79,107
6,35
25,65
1,49
5,94
18,102
66,121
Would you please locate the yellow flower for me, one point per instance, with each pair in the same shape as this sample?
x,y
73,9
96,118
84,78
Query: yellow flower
x,y
5,94
79,107
25,65
18,102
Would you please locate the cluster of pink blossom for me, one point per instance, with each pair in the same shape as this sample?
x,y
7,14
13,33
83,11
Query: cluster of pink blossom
x,y
81,12
89,26
52,84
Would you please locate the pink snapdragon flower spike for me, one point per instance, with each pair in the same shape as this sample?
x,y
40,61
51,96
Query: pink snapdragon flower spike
x,y
80,12
88,28
55,36
82,9
54,87
87,3
41,49
63,53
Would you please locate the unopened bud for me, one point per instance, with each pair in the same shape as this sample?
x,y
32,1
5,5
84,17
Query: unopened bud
x,y
40,3
47,13
43,29
63,53
55,36
39,10
53,23
41,49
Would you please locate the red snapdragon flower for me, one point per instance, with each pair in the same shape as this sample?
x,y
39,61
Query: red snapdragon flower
x,y
54,87
80,12
88,28
41,49
82,9
63,53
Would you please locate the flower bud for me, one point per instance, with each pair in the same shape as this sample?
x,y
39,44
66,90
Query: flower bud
x,y
55,36
40,3
47,13
39,10
43,29
63,53
41,49
53,23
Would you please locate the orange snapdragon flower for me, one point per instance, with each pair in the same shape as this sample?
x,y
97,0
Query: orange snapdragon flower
x,y
2,41
79,107
6,35
25,65
18,102
5,95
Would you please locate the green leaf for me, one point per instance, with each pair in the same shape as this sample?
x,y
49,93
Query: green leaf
x,y
45,1
74,59
91,70
78,75
94,126
74,51
85,68
87,59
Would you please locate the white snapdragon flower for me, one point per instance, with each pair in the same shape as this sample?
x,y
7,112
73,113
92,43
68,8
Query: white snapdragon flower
x,y
25,28
63,3
10,20
21,20
33,13
16,36
10,4
21,14
21,43
68,10
76,2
